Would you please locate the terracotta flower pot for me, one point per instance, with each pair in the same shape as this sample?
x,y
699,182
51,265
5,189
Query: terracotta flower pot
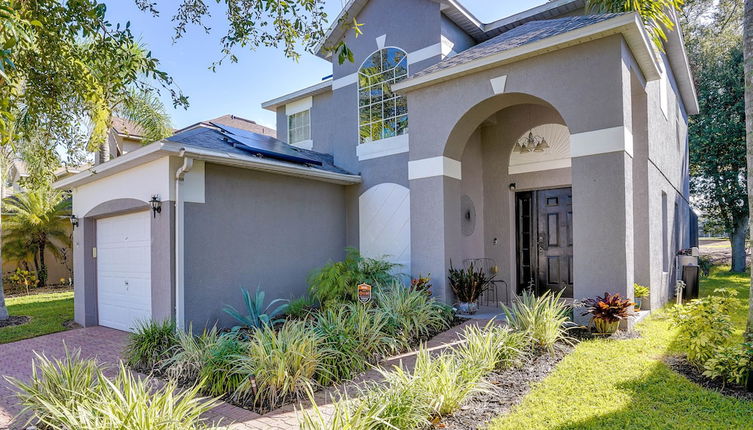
x,y
606,327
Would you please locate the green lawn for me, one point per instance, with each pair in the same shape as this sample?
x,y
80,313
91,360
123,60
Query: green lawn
x,y
625,384
47,312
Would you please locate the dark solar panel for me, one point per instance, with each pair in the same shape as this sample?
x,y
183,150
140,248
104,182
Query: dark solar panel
x,y
265,145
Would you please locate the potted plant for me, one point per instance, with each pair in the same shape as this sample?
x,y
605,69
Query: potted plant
x,y
607,312
640,292
468,284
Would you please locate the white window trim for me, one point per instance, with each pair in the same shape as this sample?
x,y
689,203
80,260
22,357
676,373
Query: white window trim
x,y
299,106
301,143
383,147
304,144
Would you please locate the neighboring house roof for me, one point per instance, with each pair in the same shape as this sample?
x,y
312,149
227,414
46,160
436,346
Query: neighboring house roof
x,y
125,128
211,143
233,121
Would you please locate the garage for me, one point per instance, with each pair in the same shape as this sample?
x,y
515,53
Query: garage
x,y
123,256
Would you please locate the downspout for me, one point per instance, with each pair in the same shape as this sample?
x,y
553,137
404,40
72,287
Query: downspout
x,y
179,240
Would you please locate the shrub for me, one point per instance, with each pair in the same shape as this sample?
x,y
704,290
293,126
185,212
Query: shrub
x,y
279,365
355,336
411,315
301,307
257,315
607,311
469,283
730,363
337,281
74,394
705,324
150,344
705,263
542,318
492,347
640,290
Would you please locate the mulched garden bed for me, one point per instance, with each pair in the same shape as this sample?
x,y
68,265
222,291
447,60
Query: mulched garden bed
x,y
681,365
14,320
506,389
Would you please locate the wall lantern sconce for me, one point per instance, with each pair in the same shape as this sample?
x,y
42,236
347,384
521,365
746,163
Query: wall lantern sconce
x,y
156,205
74,221
512,186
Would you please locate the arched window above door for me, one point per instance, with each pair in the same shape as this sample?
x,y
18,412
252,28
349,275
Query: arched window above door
x,y
382,113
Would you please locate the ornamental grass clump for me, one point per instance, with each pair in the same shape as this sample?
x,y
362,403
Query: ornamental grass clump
x,y
608,311
216,375
188,356
493,347
279,365
542,318
74,394
150,344
411,315
355,336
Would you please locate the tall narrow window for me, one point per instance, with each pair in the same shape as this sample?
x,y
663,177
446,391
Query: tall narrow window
x,y
299,127
382,113
664,232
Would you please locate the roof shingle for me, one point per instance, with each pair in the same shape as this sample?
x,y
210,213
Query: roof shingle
x,y
527,33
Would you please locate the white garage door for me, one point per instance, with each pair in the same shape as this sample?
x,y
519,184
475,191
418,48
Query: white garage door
x,y
124,268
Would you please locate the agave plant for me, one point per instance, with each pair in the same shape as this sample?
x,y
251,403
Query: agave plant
x,y
257,315
607,311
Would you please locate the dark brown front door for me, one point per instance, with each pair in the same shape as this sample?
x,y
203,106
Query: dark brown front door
x,y
545,240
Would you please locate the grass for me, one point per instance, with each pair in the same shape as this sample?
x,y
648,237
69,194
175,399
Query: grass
x,y
48,312
625,384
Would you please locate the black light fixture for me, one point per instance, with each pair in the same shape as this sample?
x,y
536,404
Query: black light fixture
x,y
156,205
74,220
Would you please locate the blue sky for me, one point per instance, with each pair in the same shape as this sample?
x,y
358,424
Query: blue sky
x,y
240,88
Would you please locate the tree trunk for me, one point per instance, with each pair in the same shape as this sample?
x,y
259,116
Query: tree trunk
x,y
3,308
42,273
748,56
737,239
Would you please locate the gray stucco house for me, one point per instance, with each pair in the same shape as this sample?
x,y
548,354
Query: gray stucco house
x,y
552,142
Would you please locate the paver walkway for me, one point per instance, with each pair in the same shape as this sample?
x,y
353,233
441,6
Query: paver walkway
x,y
106,344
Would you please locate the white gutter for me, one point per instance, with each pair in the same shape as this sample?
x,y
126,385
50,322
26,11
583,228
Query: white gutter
x,y
180,322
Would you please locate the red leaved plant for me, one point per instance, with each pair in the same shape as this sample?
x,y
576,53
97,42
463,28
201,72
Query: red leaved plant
x,y
611,307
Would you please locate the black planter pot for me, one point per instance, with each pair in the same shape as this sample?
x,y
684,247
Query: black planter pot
x,y
749,385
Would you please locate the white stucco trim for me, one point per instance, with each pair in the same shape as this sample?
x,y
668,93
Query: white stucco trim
x,y
344,81
424,53
384,224
602,141
299,106
539,166
383,147
447,47
319,88
380,40
194,184
498,84
434,166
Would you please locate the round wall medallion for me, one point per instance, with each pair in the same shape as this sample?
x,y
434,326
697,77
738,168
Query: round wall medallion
x,y
467,215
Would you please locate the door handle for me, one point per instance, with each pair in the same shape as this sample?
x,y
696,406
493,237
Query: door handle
x,y
540,243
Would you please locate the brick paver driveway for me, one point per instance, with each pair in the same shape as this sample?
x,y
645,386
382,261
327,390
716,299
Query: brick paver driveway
x,y
102,343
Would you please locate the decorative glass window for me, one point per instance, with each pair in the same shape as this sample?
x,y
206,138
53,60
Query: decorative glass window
x,y
299,127
382,113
